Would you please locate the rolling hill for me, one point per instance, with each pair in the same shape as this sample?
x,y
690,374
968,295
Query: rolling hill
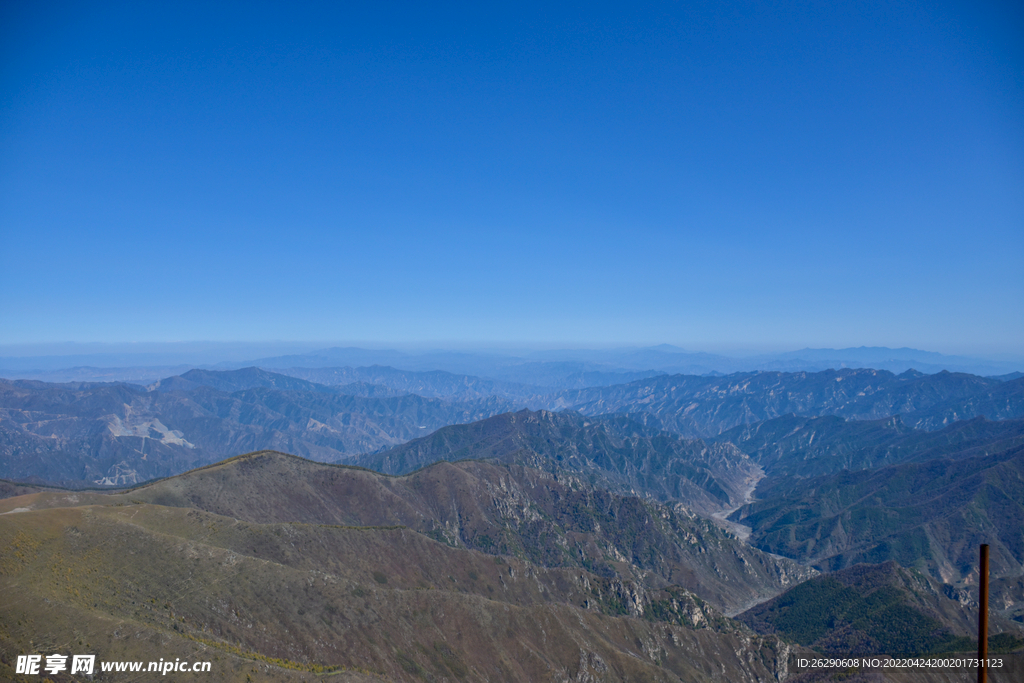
x,y
278,566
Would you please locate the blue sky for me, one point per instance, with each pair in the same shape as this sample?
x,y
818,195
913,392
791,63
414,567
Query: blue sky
x,y
712,175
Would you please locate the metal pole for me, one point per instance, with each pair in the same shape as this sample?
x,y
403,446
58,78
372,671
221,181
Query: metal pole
x,y
983,617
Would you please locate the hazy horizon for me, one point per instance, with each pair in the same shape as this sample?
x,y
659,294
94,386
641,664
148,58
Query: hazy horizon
x,y
204,345
161,358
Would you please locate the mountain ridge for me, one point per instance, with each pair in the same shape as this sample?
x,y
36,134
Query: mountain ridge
x,y
506,509
291,601
622,454
706,406
120,433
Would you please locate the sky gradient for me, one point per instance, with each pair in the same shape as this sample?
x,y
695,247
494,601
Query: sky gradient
x,y
774,175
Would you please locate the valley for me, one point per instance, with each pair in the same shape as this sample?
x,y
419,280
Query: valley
x,y
722,516
656,530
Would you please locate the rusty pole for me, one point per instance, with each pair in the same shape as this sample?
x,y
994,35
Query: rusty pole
x,y
983,617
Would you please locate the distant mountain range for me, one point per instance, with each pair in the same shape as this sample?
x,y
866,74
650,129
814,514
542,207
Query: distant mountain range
x,y
829,468
122,433
552,369
467,528
707,406
429,384
801,447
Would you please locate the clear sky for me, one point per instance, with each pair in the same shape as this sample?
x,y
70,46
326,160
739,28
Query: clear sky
x,y
779,174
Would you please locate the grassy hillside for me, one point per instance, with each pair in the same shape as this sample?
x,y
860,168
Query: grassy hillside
x,y
130,579
507,510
